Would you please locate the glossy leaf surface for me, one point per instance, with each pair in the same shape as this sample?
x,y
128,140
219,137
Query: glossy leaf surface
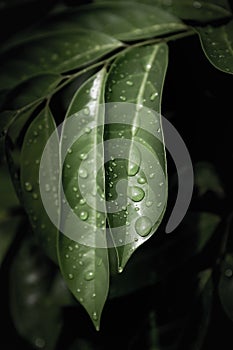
x,y
217,43
123,21
136,78
33,146
83,262
52,53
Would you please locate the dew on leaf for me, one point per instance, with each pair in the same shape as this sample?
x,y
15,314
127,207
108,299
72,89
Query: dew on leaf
x,y
35,195
83,156
143,226
70,276
89,276
28,186
83,215
136,193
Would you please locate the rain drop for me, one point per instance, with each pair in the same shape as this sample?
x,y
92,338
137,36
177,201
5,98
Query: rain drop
x,y
83,173
143,226
70,276
153,96
147,67
141,180
82,201
89,276
28,186
133,169
35,195
83,156
136,194
83,215
129,83
95,316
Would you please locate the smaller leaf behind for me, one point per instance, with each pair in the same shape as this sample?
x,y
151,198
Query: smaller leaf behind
x,y
15,131
121,20
34,143
52,52
217,44
36,314
200,11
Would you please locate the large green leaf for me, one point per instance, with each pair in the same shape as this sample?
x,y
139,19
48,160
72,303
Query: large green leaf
x,y
123,21
136,78
51,53
35,140
84,257
201,11
217,43
36,313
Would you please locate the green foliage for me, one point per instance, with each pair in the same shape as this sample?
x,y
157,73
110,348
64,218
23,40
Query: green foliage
x,y
71,62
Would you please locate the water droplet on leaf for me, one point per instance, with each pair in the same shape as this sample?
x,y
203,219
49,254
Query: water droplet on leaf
x,y
136,194
89,276
143,226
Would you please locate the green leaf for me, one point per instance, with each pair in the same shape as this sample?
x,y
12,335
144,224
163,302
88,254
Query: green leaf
x,y
225,287
8,230
34,142
201,11
35,313
137,77
53,53
217,44
83,262
14,136
31,91
120,20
